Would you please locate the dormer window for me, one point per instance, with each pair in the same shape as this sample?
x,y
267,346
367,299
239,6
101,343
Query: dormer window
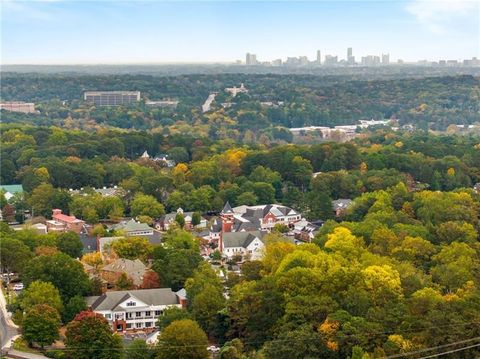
x,y
131,304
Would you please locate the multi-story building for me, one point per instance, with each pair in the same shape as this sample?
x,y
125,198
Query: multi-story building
x,y
319,57
131,310
62,223
112,98
18,106
250,219
331,60
251,59
236,90
385,59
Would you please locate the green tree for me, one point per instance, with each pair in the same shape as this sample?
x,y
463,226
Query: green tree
x,y
170,315
124,282
40,325
303,342
146,205
247,198
70,243
64,272
232,350
74,306
39,292
196,218
14,255
180,220
89,336
139,349
132,248
183,339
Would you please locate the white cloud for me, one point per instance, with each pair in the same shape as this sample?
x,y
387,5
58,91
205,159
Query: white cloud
x,y
437,14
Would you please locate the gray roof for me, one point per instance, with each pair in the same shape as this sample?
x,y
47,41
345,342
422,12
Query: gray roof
x,y
240,239
341,203
111,300
134,269
132,226
227,208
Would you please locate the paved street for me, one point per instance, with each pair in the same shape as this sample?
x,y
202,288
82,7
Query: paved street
x,y
8,329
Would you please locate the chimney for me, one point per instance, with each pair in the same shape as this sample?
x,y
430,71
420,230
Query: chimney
x,y
56,212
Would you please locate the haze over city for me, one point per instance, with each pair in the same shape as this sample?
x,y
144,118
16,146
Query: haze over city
x,y
74,32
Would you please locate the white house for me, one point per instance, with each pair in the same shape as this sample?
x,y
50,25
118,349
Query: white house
x,y
129,310
165,221
248,244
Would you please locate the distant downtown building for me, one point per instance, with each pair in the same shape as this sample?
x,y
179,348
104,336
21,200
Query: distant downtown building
x,y
111,98
251,59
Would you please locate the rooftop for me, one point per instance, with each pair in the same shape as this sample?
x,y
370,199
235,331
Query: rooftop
x,y
157,296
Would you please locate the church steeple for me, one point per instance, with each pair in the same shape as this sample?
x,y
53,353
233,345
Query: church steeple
x,y
227,209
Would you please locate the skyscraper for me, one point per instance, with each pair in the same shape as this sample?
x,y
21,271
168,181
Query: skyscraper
x,y
319,57
250,59
350,57
385,59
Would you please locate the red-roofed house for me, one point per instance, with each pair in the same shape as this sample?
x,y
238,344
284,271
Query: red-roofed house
x,y
61,222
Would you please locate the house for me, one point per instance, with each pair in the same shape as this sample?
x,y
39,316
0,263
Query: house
x,y
39,228
104,191
132,310
305,231
340,206
252,218
134,269
10,190
234,91
165,221
249,244
133,228
476,187
62,223
165,160
104,242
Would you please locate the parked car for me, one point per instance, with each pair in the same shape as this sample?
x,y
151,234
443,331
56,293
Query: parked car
x,y
18,286
213,349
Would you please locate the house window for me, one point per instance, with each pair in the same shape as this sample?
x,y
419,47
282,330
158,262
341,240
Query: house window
x,y
158,312
129,325
129,315
138,325
147,314
148,324
138,314
108,316
131,304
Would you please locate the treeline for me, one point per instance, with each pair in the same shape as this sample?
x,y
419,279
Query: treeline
x,y
308,100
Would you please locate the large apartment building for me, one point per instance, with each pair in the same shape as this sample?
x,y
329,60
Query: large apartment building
x,y
18,106
112,98
130,310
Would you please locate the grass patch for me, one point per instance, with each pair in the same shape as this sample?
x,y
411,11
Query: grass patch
x,y
21,345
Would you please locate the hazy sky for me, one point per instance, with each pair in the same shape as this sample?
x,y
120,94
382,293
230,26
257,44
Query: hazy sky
x,y
74,32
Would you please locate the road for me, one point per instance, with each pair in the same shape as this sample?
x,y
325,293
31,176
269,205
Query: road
x,y
8,329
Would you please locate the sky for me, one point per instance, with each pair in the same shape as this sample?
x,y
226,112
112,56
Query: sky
x,y
121,32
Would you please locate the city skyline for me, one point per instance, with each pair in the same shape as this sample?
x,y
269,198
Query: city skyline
x,y
161,32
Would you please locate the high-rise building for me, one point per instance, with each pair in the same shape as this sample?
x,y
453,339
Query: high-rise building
x,y
303,60
385,59
251,59
350,57
331,60
319,57
112,98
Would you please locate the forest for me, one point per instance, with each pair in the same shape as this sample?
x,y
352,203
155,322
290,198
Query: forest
x,y
322,100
